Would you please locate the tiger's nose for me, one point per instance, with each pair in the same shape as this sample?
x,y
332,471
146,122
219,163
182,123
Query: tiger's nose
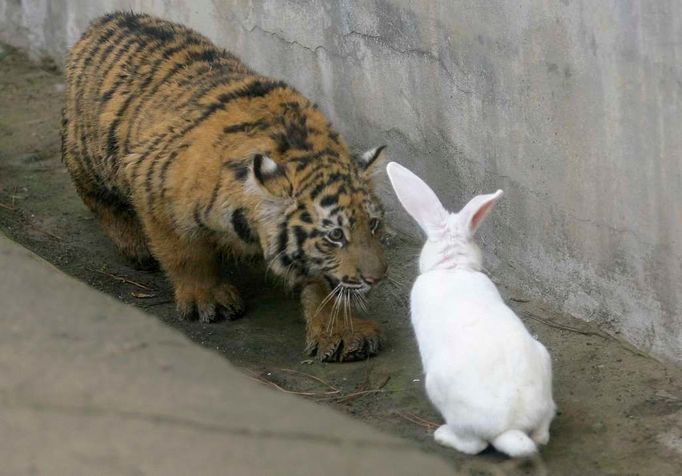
x,y
372,279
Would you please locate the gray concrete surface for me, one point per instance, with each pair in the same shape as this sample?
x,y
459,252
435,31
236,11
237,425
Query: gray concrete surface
x,y
89,385
572,106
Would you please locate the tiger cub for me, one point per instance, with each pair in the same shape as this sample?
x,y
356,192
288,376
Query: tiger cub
x,y
183,153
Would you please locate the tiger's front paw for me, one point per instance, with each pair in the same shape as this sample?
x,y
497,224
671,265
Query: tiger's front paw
x,y
355,341
209,304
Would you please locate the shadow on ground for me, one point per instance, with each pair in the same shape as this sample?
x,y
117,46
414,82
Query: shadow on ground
x,y
620,412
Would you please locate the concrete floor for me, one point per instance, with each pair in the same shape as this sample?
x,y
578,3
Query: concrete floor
x,y
620,411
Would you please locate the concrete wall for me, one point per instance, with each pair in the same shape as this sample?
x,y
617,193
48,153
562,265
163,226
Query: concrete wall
x,y
574,107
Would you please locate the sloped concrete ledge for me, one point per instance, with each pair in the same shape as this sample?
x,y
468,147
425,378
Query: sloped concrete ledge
x,y
89,385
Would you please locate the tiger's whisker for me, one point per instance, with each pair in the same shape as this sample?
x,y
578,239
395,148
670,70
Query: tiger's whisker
x,y
335,309
326,300
332,296
346,307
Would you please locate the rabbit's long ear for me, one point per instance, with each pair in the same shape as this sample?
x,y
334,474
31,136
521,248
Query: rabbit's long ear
x,y
477,209
417,198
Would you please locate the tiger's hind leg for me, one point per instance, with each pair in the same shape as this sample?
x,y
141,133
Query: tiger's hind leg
x,y
117,217
119,221
121,224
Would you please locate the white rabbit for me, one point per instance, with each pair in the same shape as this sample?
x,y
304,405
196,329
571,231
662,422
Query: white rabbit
x,y
488,377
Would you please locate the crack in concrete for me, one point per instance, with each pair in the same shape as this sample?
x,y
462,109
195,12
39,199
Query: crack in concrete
x,y
277,36
375,38
414,52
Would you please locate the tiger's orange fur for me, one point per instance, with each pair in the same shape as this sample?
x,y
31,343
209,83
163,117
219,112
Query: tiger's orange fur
x,y
183,153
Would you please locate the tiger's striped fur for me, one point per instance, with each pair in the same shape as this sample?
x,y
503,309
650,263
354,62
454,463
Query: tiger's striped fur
x,y
183,153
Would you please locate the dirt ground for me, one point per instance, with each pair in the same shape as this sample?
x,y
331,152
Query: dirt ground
x,y
620,412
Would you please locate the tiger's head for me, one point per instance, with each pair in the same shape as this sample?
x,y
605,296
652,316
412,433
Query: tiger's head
x,y
324,218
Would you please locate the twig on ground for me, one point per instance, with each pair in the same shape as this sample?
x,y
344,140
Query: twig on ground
x,y
565,328
8,207
359,392
334,394
142,295
417,420
384,382
261,379
317,379
423,420
122,279
33,121
45,232
353,395
625,345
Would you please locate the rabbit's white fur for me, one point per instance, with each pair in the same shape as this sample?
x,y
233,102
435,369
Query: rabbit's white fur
x,y
489,378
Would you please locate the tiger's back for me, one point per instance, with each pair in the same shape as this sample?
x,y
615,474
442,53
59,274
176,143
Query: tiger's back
x,y
130,79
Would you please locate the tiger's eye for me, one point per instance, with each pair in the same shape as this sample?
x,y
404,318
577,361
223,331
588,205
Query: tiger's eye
x,y
336,234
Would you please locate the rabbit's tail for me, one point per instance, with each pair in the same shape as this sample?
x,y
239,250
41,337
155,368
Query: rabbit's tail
x,y
515,443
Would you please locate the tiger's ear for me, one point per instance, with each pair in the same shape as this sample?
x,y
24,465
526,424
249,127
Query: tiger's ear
x,y
271,176
373,156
